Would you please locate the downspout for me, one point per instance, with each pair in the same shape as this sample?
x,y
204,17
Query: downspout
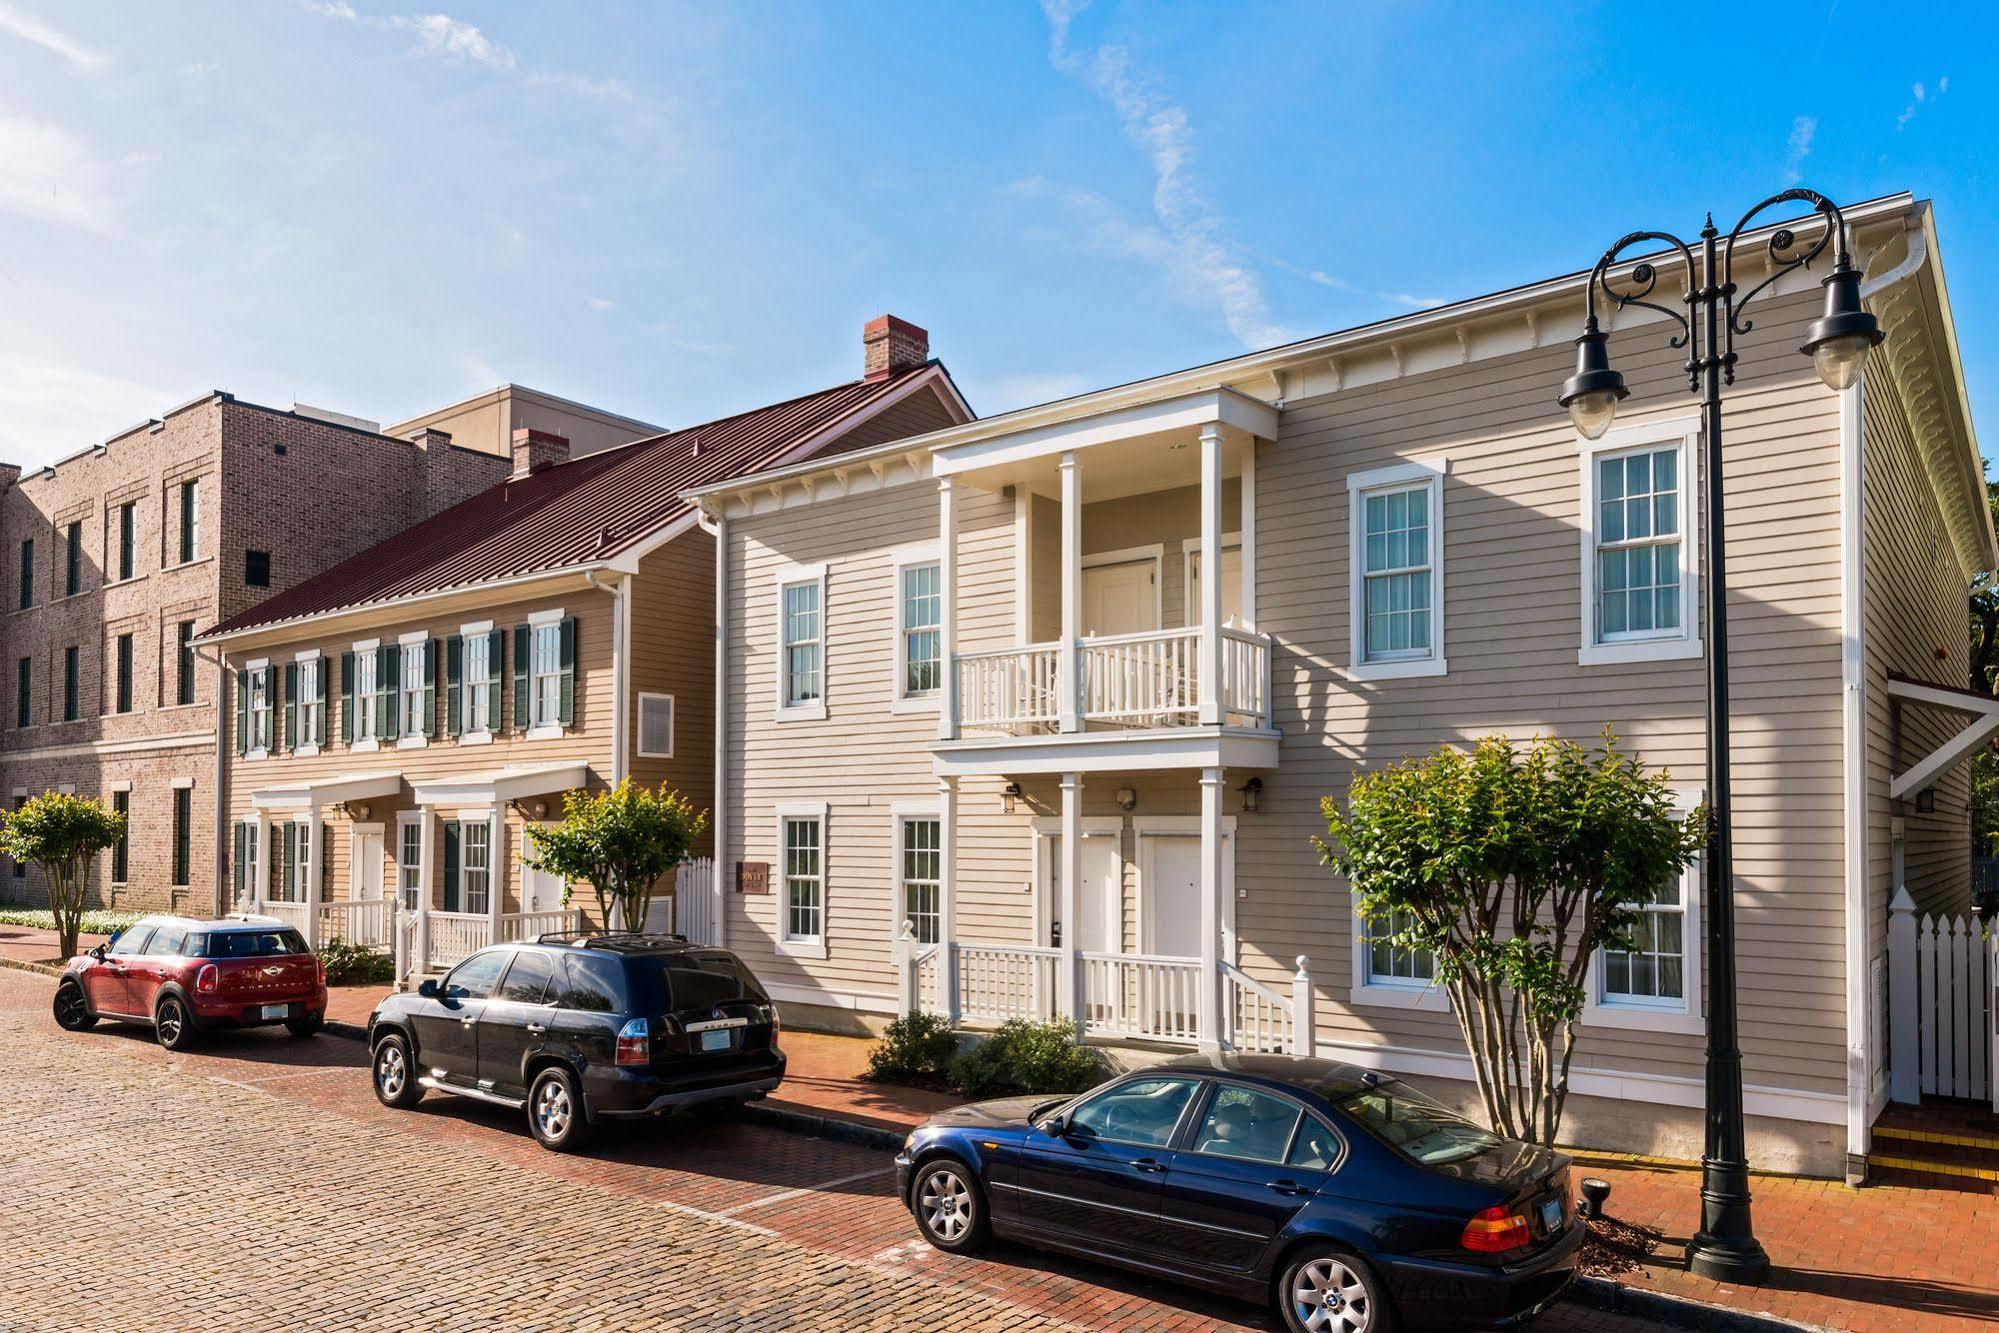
x,y
1853,720
620,669
222,713
718,528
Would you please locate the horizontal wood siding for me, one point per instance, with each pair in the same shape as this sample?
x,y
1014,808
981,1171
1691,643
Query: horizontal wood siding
x,y
673,652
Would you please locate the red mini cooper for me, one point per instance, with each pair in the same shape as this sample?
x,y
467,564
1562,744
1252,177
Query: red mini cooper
x,y
186,977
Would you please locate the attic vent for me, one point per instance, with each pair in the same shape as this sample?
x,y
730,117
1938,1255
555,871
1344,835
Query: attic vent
x,y
656,726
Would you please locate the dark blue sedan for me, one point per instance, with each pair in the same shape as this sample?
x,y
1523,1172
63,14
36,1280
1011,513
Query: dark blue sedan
x,y
1347,1198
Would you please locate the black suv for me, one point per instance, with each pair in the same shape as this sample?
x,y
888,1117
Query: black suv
x,y
582,1027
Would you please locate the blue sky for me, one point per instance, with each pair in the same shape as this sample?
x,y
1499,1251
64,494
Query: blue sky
x,y
678,211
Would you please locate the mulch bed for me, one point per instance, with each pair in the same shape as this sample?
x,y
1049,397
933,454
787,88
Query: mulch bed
x,y
1614,1247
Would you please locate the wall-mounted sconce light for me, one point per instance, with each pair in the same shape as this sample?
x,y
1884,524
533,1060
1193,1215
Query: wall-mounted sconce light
x,y
1008,795
1252,792
360,812
1926,801
1127,799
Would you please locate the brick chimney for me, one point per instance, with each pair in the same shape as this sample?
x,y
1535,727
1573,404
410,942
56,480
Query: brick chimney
x,y
893,345
9,474
430,437
537,449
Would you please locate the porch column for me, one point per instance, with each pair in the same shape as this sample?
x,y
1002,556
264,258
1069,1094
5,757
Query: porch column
x,y
1247,523
1210,673
1068,968
947,610
1069,684
1213,883
496,872
308,867
428,824
947,892
259,878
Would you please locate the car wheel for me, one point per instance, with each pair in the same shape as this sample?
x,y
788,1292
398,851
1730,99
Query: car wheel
x,y
72,1010
395,1073
555,1111
305,1027
950,1207
173,1024
1332,1291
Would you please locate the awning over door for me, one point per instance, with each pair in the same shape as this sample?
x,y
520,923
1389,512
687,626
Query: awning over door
x,y
497,786
326,791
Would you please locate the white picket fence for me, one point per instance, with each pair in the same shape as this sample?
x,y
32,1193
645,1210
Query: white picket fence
x,y
693,913
1943,1031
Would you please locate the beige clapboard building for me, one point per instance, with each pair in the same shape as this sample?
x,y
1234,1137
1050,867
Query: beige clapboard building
x,y
1032,715
396,722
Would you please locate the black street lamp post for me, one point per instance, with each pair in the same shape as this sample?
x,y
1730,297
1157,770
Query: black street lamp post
x,y
1726,1247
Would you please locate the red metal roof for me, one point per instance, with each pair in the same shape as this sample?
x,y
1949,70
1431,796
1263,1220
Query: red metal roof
x,y
574,513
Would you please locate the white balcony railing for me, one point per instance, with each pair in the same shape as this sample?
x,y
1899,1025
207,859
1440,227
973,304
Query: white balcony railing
x,y
1151,679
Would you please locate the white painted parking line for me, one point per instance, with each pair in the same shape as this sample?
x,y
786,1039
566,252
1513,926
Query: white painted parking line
x,y
807,1189
258,1082
724,1219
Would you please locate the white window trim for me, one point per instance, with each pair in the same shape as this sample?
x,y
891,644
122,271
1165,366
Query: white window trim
x,y
407,684
364,704
901,812
411,819
468,735
814,946
1401,476
900,700
1390,993
1685,431
484,818
254,667
672,731
307,748
790,577
1686,1015
542,729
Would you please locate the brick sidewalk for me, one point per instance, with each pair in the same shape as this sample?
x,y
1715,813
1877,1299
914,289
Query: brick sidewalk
x,y
28,944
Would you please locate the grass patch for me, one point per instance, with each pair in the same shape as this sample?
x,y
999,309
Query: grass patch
x,y
94,922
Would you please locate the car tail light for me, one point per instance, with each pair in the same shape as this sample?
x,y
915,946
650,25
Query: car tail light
x,y
634,1044
207,979
1496,1230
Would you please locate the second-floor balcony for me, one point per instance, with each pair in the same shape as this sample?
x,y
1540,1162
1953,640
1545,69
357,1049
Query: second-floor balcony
x,y
1134,589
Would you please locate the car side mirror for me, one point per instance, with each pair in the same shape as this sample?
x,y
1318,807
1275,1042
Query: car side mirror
x,y
428,988
96,951
1055,1126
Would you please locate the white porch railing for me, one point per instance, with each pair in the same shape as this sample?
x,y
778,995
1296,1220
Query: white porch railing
x,y
1146,996
1944,1033
295,915
455,935
364,921
1013,689
1257,1018
1151,679
530,925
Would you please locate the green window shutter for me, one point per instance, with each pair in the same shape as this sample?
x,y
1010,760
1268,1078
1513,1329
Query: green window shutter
x,y
523,677
388,681
346,698
325,862
429,658
242,713
242,869
291,862
454,684
492,682
291,705
568,710
319,724
450,865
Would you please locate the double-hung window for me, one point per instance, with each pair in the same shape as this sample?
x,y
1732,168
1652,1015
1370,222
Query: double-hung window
x,y
476,865
184,663
922,871
475,694
1639,594
128,538
260,708
409,863
1655,984
1397,556
1388,973
801,835
801,666
27,573
311,721
190,520
367,687
547,681
122,659
72,579
919,636
412,703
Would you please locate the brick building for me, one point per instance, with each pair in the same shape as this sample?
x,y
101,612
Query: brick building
x,y
117,556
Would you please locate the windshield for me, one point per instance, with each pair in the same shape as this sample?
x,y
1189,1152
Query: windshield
x,y
254,944
1424,1131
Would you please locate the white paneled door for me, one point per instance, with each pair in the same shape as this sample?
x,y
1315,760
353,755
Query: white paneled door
x,y
1122,598
364,866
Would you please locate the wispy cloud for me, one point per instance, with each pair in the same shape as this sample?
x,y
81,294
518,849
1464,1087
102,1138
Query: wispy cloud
x,y
1918,96
602,304
53,40
442,37
50,176
1190,239
1339,284
1799,147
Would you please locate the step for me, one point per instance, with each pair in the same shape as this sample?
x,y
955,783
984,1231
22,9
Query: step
x,y
1963,1155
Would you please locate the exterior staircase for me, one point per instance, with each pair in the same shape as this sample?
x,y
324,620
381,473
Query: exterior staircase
x,y
1941,1144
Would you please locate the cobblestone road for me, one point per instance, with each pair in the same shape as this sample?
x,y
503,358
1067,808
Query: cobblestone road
x,y
256,1184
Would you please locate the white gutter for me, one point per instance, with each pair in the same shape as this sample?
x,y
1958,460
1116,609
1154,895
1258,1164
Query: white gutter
x,y
718,528
1859,959
621,669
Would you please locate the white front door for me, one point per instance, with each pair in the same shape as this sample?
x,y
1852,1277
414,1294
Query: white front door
x,y
1122,598
1231,586
540,891
1102,890
1172,898
364,866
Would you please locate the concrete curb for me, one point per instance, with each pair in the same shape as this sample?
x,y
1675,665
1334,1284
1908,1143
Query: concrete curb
x,y
824,1126
345,1031
1601,1293
46,969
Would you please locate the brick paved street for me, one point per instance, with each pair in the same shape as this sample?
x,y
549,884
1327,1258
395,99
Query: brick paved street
x,y
256,1184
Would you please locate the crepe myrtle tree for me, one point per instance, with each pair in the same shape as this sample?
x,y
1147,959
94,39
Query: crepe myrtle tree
x,y
621,841
62,834
1511,867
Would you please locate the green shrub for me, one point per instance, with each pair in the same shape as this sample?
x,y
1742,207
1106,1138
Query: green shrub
x,y
95,922
355,964
1024,1057
916,1045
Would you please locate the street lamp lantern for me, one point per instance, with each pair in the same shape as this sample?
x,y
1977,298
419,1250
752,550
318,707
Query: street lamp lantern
x,y
1725,1248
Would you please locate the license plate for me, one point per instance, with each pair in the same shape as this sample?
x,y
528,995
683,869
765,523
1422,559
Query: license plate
x,y
1551,1214
717,1040
276,1010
